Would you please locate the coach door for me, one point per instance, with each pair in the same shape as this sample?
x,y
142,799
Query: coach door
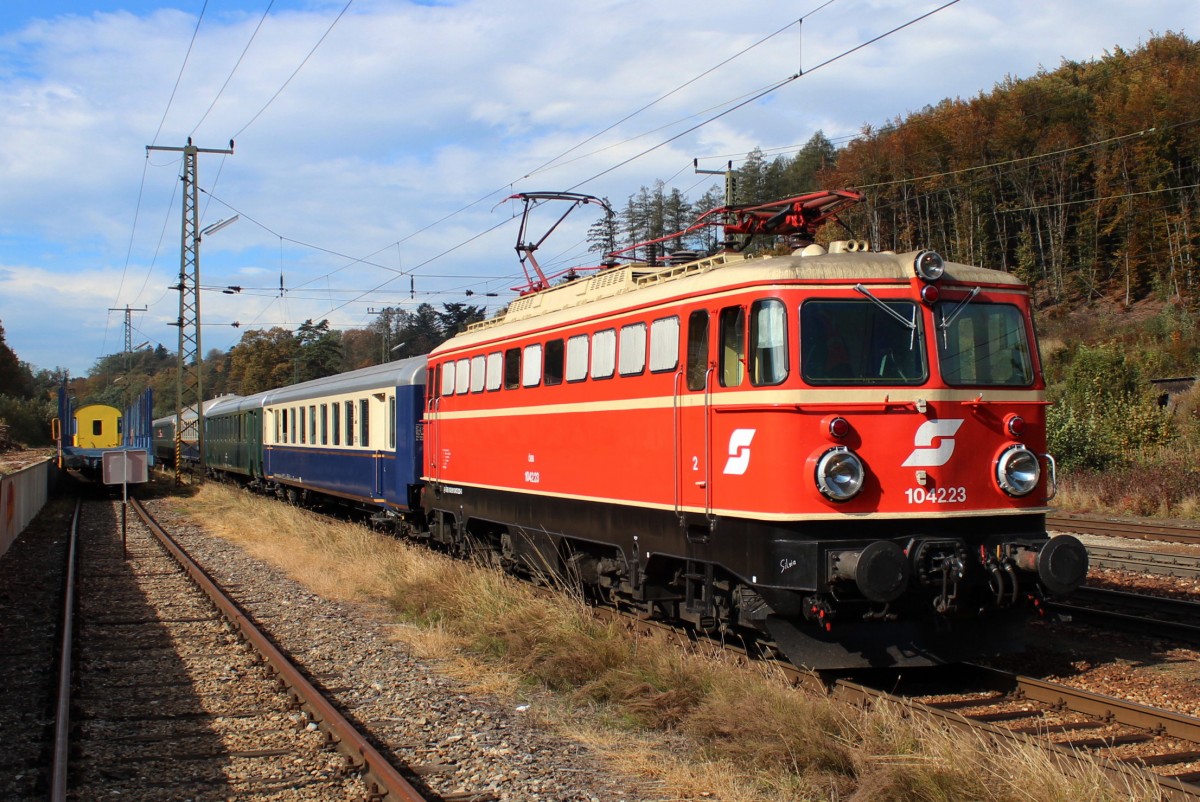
x,y
693,432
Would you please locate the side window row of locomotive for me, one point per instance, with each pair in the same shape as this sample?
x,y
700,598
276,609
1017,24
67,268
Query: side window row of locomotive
x,y
842,342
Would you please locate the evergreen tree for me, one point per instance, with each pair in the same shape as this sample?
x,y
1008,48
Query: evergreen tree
x,y
602,234
319,350
457,316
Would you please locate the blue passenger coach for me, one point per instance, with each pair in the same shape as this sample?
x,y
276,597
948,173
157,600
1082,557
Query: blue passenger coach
x,y
357,436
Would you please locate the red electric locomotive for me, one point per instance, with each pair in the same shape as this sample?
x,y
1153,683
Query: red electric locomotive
x,y
839,450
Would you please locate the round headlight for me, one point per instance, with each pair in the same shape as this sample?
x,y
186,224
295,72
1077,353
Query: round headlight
x,y
1018,471
929,266
839,474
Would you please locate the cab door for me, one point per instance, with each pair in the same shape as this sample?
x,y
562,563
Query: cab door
x,y
693,426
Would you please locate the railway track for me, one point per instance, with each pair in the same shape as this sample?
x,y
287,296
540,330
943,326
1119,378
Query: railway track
x,y
1146,562
174,693
1086,525
1178,619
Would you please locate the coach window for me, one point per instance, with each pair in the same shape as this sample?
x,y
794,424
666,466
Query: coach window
x,y
302,427
604,354
280,426
664,344
768,342
462,376
532,375
697,350
324,424
364,422
512,368
312,424
552,372
733,345
295,426
336,420
631,356
349,410
495,371
391,422
577,358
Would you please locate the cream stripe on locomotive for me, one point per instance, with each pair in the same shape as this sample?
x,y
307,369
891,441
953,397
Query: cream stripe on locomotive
x,y
833,400
923,513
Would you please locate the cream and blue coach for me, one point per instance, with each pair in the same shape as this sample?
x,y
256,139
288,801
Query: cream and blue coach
x,y
355,436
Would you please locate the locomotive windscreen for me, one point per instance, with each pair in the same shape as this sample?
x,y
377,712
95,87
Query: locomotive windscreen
x,y
983,345
862,342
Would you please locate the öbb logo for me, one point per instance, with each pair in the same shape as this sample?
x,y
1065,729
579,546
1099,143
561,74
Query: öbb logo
x,y
926,454
739,451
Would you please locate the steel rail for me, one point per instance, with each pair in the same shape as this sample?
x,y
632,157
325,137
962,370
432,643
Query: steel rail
x,y
1147,562
1111,527
62,714
386,782
1159,615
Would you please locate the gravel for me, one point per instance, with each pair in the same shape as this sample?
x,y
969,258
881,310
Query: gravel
x,y
464,746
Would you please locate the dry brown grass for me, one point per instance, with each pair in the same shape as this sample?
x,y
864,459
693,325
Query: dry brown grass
x,y
697,724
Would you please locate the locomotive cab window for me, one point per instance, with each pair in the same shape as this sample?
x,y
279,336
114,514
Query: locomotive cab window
x,y
862,342
447,379
983,345
768,342
733,345
697,350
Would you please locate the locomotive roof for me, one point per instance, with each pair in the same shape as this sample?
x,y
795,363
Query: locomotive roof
x,y
610,289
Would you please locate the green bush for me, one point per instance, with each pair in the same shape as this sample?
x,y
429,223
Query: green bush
x,y
28,420
1104,412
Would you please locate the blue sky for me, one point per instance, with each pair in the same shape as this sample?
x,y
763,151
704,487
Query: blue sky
x,y
372,155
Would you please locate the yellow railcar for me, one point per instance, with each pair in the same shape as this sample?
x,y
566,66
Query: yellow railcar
x,y
97,426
